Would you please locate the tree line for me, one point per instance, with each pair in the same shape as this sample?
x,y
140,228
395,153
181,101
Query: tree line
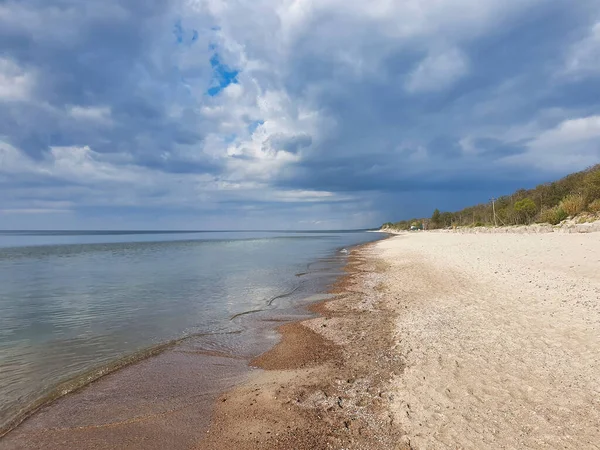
x,y
547,203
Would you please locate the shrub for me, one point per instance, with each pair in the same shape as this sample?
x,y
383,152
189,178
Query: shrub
x,y
525,210
519,207
553,215
594,206
573,204
591,186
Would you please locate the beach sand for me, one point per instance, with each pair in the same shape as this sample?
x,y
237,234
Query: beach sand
x,y
500,336
434,340
437,340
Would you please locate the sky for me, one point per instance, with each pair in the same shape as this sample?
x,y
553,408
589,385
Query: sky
x,y
287,114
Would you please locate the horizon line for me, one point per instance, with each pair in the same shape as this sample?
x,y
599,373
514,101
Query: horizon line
x,y
180,231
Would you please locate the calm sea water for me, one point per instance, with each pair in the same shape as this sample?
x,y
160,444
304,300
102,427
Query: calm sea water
x,y
75,301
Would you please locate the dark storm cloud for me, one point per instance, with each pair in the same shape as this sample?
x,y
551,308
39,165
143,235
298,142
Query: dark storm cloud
x,y
383,128
354,110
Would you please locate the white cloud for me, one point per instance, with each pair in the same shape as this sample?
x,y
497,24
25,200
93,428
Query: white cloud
x,y
13,161
80,164
569,132
584,56
84,164
438,72
571,145
304,196
400,19
15,82
9,157
264,36
33,211
254,158
90,113
468,147
256,118
96,179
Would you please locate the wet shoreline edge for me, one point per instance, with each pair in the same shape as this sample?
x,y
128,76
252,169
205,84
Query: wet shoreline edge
x,y
74,385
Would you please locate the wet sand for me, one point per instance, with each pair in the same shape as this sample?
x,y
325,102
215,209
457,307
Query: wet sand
x,y
327,384
158,403
167,400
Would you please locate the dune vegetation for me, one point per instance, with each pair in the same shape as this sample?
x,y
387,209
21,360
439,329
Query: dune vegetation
x,y
577,194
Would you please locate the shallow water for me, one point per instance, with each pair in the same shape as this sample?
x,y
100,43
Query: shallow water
x,y
75,301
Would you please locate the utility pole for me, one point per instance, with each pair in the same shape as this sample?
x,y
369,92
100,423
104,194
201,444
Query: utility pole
x,y
494,210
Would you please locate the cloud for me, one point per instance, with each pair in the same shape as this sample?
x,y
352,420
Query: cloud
x,y
241,113
571,145
15,82
438,72
35,211
98,113
584,56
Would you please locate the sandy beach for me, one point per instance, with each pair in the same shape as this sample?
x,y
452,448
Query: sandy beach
x,y
500,335
437,341
433,341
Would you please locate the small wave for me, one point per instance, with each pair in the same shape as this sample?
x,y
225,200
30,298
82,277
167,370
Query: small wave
x,y
245,313
268,304
94,374
287,294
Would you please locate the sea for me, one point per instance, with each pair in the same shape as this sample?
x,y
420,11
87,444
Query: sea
x,y
73,303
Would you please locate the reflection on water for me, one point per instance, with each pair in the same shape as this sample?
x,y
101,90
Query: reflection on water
x,y
73,301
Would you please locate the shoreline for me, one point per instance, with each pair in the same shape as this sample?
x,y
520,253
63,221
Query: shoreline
x,y
123,369
436,340
72,385
433,340
313,391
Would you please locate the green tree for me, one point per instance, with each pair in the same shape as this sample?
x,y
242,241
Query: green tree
x,y
446,219
436,219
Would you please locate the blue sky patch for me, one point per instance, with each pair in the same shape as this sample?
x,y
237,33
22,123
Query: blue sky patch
x,y
254,125
223,76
